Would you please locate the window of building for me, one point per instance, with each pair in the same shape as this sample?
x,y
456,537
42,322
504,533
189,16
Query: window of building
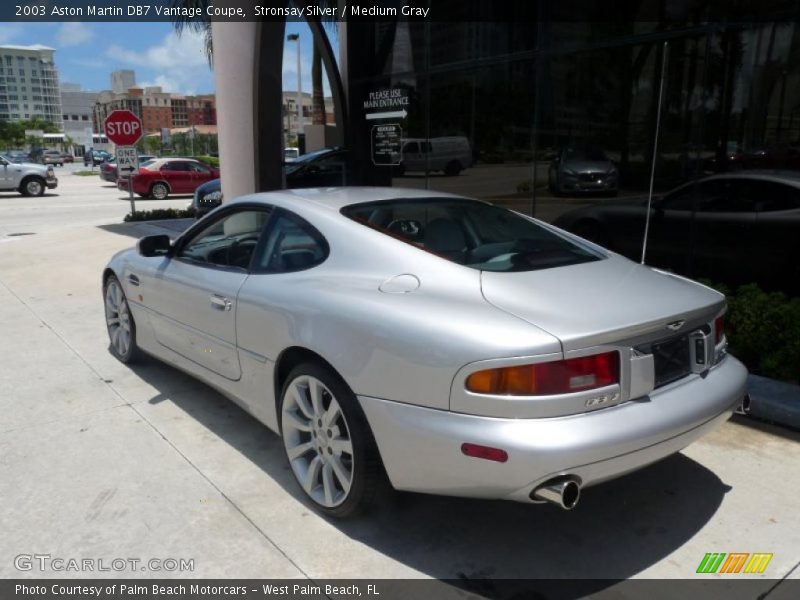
x,y
84,117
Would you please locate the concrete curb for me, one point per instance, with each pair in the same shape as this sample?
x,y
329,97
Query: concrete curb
x,y
774,400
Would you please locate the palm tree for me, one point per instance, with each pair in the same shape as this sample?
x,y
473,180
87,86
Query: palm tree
x,y
202,24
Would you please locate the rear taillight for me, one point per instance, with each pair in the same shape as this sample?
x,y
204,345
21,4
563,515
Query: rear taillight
x,y
719,330
544,379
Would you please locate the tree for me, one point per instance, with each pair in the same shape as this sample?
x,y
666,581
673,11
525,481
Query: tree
x,y
153,144
202,24
67,143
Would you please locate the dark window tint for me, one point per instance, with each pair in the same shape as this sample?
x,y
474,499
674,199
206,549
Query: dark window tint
x,y
471,233
292,245
177,166
777,196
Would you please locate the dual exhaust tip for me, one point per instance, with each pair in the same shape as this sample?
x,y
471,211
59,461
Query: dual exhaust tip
x,y
561,491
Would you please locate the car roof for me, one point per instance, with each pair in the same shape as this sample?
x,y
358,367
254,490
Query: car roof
x,y
777,175
337,198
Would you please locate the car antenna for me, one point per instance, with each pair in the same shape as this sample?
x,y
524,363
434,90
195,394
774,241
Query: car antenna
x,y
664,64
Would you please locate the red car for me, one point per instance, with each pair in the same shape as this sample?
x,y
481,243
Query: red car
x,y
164,176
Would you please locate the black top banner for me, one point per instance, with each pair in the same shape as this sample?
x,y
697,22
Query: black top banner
x,y
517,11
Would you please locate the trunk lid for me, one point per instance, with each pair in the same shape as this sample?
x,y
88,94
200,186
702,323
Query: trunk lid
x,y
600,302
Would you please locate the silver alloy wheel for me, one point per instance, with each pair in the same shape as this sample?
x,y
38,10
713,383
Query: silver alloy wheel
x,y
118,318
317,441
34,187
160,191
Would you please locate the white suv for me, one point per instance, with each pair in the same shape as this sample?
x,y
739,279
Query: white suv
x,y
29,179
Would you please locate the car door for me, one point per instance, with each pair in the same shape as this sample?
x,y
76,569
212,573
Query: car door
x,y
193,295
200,174
776,244
178,174
7,175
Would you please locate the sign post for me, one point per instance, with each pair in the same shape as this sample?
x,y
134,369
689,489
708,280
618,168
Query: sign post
x,y
124,129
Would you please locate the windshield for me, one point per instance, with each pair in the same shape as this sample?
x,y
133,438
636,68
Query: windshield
x,y
472,233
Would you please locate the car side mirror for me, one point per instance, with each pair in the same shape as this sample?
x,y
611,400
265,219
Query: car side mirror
x,y
154,245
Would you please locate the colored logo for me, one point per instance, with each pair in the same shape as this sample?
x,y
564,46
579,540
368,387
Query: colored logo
x,y
734,562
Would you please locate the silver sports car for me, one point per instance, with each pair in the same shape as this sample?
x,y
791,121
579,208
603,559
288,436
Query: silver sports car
x,y
456,347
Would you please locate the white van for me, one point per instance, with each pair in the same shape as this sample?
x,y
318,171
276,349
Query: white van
x,y
448,154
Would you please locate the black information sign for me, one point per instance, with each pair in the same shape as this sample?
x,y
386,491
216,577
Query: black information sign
x,y
386,144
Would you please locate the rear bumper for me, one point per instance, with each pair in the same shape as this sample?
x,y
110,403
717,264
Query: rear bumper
x,y
421,447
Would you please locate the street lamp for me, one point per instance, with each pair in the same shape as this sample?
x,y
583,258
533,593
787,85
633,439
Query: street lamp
x,y
295,37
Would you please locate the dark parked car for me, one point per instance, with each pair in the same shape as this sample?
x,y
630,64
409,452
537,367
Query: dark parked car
x,y
582,169
108,170
95,157
321,168
206,198
746,228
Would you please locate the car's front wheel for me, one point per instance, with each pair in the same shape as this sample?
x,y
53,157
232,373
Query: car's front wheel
x,y
119,322
328,442
32,186
159,191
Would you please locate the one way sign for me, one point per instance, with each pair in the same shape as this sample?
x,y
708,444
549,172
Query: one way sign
x,y
127,160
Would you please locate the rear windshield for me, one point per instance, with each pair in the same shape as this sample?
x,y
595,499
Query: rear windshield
x,y
471,233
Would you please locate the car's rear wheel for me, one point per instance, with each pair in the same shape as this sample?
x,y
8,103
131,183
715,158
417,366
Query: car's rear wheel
x,y
328,442
119,322
159,191
32,186
452,168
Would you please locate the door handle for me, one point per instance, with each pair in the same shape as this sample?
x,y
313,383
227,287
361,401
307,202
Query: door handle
x,y
220,302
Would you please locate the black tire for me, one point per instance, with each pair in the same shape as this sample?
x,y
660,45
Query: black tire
x,y
366,465
159,191
32,186
131,353
452,168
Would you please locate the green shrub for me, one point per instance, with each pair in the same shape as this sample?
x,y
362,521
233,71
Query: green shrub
x,y
86,173
763,330
160,214
209,160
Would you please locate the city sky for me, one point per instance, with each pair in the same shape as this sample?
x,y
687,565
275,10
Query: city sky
x,y
86,53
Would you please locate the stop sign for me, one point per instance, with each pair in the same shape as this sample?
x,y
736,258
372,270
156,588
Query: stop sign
x,y
123,127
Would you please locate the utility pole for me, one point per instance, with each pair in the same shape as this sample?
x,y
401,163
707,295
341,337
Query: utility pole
x,y
295,37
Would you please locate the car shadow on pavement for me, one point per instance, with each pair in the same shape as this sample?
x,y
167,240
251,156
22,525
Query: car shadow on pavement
x,y
619,529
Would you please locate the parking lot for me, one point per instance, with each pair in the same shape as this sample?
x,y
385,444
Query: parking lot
x,y
101,460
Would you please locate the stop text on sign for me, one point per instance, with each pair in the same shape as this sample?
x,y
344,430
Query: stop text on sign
x,y
123,128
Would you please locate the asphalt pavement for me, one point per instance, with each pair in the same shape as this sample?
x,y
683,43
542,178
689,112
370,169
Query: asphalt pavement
x,y
100,460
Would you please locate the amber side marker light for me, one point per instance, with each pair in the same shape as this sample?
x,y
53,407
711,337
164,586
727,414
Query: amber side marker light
x,y
543,379
485,452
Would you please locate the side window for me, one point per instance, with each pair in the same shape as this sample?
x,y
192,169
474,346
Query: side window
x,y
198,168
228,242
777,196
411,148
176,166
292,244
691,197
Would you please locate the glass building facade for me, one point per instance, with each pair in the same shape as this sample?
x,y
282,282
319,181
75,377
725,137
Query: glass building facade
x,y
570,121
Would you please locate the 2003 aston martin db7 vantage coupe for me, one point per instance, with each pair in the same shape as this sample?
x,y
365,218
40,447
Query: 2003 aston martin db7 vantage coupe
x,y
458,347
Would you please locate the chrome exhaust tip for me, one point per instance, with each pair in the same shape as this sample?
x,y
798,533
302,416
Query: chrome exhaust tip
x,y
562,491
744,407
